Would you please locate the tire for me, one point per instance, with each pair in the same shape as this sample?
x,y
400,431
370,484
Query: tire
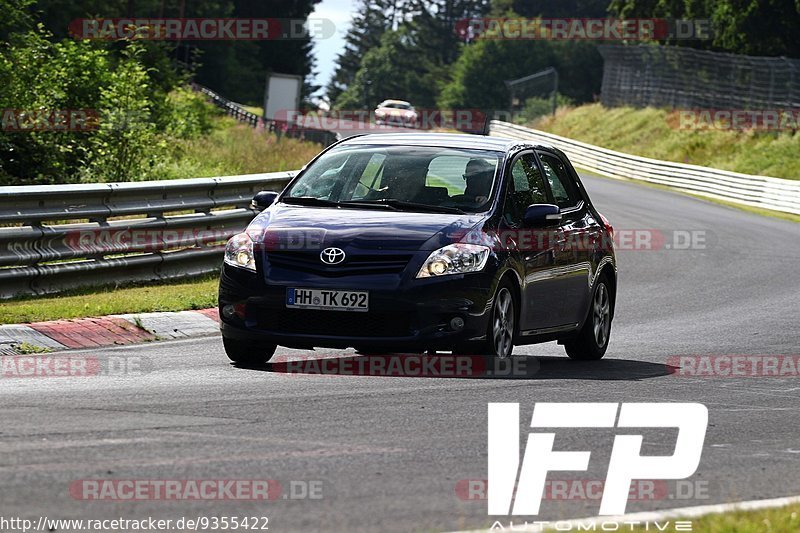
x,y
592,341
248,353
502,324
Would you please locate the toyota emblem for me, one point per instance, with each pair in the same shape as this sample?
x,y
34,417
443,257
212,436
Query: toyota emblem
x,y
332,256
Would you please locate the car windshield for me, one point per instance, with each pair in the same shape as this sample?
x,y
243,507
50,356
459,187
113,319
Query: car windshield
x,y
396,105
414,178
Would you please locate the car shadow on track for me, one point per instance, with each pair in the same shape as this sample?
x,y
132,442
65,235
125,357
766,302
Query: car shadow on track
x,y
466,367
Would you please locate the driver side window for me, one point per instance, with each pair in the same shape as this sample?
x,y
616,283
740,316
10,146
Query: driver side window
x,y
320,180
525,187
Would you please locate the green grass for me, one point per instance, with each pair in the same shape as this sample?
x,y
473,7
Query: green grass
x,y
254,109
778,520
200,293
231,149
655,133
26,348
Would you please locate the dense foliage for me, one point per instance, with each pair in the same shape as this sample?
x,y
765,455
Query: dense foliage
x,y
95,110
235,68
82,111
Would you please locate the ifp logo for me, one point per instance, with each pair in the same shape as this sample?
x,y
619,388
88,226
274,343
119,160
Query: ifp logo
x,y
626,463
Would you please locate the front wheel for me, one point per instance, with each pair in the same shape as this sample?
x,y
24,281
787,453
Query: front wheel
x,y
592,341
502,325
248,353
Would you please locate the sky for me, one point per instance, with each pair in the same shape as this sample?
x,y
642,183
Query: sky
x,y
326,50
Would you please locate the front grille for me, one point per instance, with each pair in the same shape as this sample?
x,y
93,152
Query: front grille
x,y
309,261
333,323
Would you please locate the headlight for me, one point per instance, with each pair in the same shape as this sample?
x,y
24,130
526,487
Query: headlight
x,y
239,252
458,258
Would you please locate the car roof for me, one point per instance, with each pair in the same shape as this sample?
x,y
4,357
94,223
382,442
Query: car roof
x,y
391,101
445,140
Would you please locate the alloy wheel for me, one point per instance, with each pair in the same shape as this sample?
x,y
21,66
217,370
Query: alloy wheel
x,y
503,323
602,315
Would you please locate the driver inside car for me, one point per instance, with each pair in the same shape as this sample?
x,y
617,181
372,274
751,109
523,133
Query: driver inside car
x,y
403,182
478,175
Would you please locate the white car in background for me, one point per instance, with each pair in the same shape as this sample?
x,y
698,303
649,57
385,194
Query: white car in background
x,y
396,112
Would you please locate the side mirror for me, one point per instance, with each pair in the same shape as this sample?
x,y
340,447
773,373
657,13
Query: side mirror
x,y
541,215
263,200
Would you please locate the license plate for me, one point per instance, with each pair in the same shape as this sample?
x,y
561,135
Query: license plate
x,y
329,299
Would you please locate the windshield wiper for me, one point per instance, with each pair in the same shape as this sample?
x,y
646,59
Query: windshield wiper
x,y
322,202
411,206
309,200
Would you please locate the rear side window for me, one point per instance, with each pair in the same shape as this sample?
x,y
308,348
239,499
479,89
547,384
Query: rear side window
x,y
565,194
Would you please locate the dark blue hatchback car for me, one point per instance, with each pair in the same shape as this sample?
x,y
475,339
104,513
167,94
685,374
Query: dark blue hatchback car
x,y
422,242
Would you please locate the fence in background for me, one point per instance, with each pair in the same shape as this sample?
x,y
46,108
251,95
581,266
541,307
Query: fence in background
x,y
58,237
685,78
757,191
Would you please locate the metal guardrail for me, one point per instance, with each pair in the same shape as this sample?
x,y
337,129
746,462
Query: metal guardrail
x,y
295,131
230,108
758,191
58,237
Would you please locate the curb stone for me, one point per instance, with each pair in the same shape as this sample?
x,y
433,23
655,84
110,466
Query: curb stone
x,y
112,330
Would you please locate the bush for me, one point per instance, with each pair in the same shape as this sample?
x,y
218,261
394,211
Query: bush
x,y
40,77
188,114
125,144
539,107
136,111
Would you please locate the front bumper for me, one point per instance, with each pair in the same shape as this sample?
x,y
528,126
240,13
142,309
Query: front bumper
x,y
415,314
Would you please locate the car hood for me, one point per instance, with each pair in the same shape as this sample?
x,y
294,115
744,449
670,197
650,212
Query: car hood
x,y
302,227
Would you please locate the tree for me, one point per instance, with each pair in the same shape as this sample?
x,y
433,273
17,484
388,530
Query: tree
x,y
558,8
753,27
478,75
386,71
373,18
417,55
235,68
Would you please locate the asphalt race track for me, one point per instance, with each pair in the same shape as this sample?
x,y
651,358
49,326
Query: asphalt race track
x,y
390,452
